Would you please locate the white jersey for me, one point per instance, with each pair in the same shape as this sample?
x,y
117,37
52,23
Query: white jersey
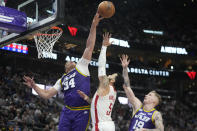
x,y
101,107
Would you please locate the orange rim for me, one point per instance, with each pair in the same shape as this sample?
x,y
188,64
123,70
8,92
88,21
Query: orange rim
x,y
54,27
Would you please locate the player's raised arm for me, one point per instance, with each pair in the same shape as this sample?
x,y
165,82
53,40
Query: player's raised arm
x,y
46,94
83,63
127,88
104,81
91,38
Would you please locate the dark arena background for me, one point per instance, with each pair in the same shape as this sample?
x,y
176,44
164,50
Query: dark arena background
x,y
160,37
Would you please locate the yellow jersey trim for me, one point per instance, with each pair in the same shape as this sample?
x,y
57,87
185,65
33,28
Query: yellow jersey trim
x,y
148,111
79,108
153,121
61,83
61,79
88,122
80,72
136,111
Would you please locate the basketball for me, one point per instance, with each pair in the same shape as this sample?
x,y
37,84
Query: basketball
x,y
106,9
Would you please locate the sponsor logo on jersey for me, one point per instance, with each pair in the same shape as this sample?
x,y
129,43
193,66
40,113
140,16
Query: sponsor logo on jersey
x,y
142,117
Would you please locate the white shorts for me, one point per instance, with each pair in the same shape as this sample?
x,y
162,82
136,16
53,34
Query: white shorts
x,y
104,126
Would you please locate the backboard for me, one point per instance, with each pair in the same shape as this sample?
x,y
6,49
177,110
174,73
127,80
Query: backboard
x,y
41,15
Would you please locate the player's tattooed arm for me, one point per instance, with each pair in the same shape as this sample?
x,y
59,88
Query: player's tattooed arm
x,y
84,96
158,123
127,88
126,77
125,62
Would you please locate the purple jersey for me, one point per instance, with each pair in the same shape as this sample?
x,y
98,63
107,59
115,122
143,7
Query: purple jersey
x,y
142,119
72,82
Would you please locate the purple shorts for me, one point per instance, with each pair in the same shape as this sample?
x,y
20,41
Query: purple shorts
x,y
74,120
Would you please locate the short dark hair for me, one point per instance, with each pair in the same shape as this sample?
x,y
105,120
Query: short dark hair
x,y
119,81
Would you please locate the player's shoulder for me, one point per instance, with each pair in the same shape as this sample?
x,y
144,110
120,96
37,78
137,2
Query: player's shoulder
x,y
157,114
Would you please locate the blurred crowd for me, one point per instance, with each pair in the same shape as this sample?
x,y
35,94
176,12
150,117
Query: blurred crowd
x,y
178,24
178,116
21,110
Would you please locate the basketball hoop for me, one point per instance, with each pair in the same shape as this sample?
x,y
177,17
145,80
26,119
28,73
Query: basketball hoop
x,y
46,40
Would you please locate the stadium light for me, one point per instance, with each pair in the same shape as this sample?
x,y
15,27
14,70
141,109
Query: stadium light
x,y
191,74
72,30
49,55
153,32
118,42
123,100
15,47
149,72
173,50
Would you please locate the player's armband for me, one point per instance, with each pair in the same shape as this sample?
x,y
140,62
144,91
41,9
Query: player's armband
x,y
102,61
82,66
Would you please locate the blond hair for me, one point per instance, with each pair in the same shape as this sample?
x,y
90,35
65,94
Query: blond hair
x,y
158,97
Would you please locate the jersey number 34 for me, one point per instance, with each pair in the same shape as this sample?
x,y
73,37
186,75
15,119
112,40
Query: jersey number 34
x,y
69,84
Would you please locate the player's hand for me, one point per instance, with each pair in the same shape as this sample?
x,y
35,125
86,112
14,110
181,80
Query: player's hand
x,y
106,37
28,81
125,60
83,95
96,19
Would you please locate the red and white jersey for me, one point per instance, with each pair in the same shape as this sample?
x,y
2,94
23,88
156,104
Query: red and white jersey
x,y
101,106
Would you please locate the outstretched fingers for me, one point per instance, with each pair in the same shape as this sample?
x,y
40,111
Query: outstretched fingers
x,y
100,18
125,60
128,61
126,56
123,57
106,35
25,78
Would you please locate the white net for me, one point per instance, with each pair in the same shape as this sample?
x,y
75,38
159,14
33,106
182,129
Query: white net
x,y
46,40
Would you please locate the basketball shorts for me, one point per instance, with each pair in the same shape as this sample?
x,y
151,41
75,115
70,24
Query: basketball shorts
x,y
104,126
74,120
